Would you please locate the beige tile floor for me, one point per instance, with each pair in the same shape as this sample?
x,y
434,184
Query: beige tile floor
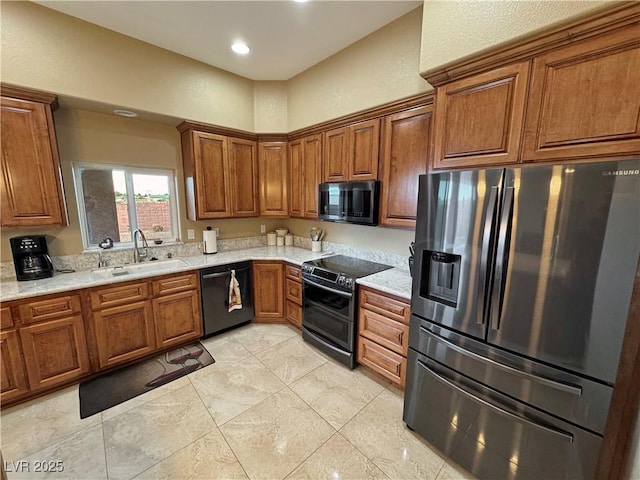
x,y
271,407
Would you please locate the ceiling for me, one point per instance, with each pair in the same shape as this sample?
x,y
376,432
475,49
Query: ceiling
x,y
285,37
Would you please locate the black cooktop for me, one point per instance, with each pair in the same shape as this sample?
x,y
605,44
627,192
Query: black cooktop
x,y
348,266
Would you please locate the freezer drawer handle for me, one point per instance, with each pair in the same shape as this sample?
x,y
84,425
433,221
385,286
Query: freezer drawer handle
x,y
222,274
534,378
559,433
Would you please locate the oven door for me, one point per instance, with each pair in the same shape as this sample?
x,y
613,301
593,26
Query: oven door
x,y
329,313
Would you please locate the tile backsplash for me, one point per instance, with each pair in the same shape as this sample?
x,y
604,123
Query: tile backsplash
x,y
120,256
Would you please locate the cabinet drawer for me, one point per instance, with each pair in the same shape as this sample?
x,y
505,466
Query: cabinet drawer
x,y
385,305
109,297
293,272
388,333
177,283
6,320
50,308
293,291
293,313
382,360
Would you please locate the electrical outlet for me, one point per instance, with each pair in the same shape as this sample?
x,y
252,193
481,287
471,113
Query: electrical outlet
x,y
217,230
263,229
191,233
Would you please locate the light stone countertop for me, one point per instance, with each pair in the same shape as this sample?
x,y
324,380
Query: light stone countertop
x,y
395,281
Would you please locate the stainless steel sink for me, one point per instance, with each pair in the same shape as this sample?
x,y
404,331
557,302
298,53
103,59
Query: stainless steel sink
x,y
136,268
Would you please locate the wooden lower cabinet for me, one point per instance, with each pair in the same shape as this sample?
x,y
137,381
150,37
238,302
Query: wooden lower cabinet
x,y
268,291
12,373
55,351
293,295
383,361
177,318
124,333
383,334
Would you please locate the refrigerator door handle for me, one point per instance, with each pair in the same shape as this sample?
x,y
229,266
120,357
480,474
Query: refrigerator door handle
x,y
559,433
487,238
501,258
529,376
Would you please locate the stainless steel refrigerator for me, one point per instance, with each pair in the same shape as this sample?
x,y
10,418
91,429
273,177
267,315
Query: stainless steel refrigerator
x,y
521,290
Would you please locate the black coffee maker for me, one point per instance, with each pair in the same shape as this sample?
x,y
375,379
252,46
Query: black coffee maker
x,y
31,257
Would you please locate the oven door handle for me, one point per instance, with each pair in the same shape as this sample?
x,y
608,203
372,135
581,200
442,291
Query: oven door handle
x,y
329,289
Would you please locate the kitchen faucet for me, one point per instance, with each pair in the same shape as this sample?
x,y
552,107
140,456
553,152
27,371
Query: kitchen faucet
x,y
137,256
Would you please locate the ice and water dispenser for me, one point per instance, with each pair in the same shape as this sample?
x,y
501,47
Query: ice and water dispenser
x,y
442,278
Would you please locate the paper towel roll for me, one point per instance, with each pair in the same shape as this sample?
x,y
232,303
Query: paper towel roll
x,y
209,242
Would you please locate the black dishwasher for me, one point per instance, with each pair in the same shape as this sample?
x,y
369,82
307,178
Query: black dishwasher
x,y
214,294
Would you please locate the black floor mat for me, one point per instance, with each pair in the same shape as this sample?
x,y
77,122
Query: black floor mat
x,y
121,385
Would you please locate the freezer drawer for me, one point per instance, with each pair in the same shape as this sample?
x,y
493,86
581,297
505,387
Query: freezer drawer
x,y
490,434
575,399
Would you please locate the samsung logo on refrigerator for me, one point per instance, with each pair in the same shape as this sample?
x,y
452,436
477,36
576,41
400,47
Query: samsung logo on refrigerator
x,y
608,173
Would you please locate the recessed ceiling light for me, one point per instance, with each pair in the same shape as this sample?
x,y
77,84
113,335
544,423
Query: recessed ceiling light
x,y
125,113
240,48
301,1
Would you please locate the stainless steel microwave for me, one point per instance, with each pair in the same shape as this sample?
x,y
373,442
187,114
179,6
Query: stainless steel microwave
x,y
349,202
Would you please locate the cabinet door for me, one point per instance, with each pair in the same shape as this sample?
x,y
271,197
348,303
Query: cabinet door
x,y
312,174
12,374
479,120
243,168
211,165
268,293
336,151
272,168
405,156
364,141
177,318
585,99
296,196
124,332
31,191
55,351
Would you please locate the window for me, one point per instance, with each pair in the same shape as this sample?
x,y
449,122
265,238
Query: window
x,y
115,200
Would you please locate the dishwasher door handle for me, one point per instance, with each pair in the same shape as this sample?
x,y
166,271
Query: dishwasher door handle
x,y
222,274
215,275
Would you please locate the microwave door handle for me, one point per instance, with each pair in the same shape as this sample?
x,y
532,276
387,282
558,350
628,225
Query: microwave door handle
x,y
485,264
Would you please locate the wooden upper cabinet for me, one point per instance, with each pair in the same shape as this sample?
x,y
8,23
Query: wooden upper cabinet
x,y
585,99
206,169
479,119
296,197
336,151
351,153
221,175
364,141
312,173
243,171
404,156
31,189
273,179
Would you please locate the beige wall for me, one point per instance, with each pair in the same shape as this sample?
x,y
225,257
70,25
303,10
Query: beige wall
x,y
50,51
380,68
452,30
373,238
270,107
99,138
